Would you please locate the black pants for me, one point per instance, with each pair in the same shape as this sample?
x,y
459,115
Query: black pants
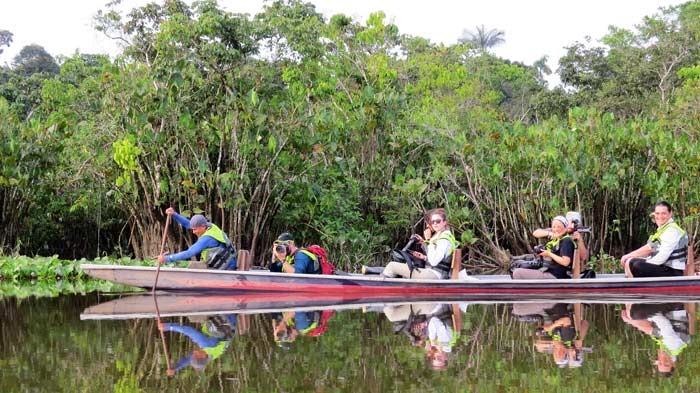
x,y
640,268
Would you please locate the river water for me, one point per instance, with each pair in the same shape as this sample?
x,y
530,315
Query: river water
x,y
112,343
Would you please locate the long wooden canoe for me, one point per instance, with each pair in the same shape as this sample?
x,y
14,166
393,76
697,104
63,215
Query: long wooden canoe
x,y
217,281
186,304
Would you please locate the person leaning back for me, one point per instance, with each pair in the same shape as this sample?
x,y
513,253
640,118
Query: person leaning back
x,y
439,245
666,251
212,243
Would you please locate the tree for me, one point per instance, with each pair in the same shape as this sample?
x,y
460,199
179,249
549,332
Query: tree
x,y
5,39
482,39
33,59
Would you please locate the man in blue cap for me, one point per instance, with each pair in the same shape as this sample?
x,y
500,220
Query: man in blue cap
x,y
215,248
288,258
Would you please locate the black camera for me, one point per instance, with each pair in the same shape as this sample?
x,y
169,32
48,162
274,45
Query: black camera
x,y
579,229
281,248
539,249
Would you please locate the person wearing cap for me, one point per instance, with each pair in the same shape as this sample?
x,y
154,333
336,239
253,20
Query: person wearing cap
x,y
215,248
666,251
558,254
212,339
288,258
292,325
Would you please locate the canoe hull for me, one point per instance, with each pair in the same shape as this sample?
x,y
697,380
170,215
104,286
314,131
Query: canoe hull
x,y
180,279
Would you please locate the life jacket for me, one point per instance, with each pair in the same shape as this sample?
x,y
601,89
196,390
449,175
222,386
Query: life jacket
x,y
445,265
320,324
218,257
680,253
319,256
221,330
553,247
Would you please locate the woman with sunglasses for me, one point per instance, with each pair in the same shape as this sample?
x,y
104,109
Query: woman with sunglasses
x,y
437,243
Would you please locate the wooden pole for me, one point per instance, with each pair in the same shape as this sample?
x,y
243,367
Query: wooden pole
x,y
243,260
456,263
170,371
162,250
690,265
577,265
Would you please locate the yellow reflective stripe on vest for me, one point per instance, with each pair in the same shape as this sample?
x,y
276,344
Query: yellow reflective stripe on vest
x,y
657,236
216,351
552,244
217,234
448,236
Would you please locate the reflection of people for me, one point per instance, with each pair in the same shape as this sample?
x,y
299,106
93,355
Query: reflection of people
x,y
667,325
438,244
291,325
558,255
561,335
441,338
666,250
288,258
215,248
213,339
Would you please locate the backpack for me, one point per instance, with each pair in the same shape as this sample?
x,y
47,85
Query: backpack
x,y
322,323
326,267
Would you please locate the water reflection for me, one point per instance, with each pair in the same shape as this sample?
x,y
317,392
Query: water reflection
x,y
257,343
667,325
433,327
560,330
212,337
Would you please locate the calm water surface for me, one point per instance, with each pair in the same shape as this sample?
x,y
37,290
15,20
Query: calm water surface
x,y
99,343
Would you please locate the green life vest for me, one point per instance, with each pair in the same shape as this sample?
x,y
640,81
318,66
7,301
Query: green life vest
x,y
446,264
680,253
317,267
217,234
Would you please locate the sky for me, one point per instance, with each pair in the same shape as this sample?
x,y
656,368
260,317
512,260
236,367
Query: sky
x,y
533,28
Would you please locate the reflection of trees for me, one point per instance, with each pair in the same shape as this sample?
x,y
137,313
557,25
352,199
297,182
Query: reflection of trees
x,y
358,352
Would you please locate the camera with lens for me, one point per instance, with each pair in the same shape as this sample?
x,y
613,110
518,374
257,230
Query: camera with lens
x,y
539,249
580,229
281,248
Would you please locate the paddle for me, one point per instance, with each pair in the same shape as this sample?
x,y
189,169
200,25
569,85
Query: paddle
x,y
162,250
170,371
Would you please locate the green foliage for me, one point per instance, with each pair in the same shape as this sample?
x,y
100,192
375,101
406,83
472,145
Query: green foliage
x,y
343,133
52,269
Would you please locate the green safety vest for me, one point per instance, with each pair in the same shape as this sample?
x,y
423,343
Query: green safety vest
x,y
290,259
680,253
216,233
446,264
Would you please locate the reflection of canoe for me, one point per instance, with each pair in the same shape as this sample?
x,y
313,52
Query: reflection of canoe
x,y
179,279
181,304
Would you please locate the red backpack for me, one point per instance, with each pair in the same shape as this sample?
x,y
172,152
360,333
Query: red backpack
x,y
321,324
326,267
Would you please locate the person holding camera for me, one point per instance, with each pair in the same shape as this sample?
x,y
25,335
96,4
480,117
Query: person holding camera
x,y
437,244
557,255
574,229
212,244
288,258
666,251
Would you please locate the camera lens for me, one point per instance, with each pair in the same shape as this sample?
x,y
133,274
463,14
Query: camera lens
x,y
280,248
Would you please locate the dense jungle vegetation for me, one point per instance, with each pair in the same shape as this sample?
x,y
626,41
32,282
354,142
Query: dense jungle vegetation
x,y
343,133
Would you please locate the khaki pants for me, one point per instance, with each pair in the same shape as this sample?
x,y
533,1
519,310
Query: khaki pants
x,y
398,269
531,274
